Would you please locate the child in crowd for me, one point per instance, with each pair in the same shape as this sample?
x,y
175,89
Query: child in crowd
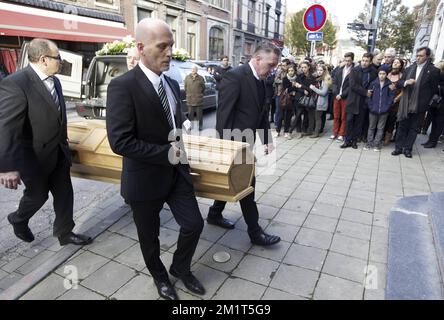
x,y
378,104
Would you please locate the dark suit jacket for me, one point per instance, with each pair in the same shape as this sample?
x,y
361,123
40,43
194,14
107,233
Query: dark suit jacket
x,y
428,86
357,93
138,130
32,129
337,82
239,105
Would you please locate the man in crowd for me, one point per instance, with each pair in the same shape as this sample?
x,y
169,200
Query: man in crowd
x,y
360,78
194,85
420,83
242,108
142,120
34,143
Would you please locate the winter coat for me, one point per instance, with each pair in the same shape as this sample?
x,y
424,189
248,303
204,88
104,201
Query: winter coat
x,y
358,93
382,98
322,92
194,90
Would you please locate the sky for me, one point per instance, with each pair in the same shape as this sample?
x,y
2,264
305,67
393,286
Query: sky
x,y
344,10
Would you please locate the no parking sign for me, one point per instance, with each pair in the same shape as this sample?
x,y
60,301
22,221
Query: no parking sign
x,y
314,18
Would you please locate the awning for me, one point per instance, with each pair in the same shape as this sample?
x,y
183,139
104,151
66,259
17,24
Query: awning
x,y
25,21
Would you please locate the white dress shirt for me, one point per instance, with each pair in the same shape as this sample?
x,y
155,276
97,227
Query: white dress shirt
x,y
345,73
48,82
254,70
155,80
418,70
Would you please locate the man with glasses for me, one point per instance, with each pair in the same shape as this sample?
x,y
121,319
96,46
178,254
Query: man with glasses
x,y
34,143
419,83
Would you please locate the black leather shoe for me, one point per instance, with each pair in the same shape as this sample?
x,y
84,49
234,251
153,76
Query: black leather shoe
x,y
190,282
429,145
346,145
78,239
396,152
408,154
166,289
354,145
221,222
21,231
264,239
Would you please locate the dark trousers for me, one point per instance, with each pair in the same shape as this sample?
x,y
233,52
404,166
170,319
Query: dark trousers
x,y
272,106
306,125
437,119
353,128
249,211
56,180
195,114
183,205
407,131
288,114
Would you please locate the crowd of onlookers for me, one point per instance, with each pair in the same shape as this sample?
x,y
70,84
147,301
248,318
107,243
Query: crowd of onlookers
x,y
379,100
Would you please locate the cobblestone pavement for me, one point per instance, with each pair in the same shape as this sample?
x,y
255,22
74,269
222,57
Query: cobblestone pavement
x,y
330,206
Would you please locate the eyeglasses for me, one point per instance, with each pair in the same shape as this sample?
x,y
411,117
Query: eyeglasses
x,y
58,57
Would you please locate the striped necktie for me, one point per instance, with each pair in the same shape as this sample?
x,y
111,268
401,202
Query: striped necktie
x,y
53,91
165,104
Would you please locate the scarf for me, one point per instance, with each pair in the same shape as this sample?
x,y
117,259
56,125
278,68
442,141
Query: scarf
x,y
410,96
365,76
291,78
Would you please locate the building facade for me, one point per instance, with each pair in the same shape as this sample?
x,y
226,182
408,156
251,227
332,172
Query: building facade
x,y
437,33
81,26
254,21
425,16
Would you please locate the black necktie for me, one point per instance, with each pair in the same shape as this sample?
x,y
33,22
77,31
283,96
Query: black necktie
x,y
165,104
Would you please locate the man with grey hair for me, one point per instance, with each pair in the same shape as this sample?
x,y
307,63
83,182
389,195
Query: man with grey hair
x,y
34,143
194,85
242,108
143,120
389,56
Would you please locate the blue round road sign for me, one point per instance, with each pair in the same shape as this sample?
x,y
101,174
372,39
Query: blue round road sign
x,y
315,17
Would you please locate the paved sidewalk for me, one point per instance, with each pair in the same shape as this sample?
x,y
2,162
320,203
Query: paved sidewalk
x,y
330,207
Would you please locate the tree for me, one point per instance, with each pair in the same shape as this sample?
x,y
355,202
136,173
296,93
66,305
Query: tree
x,y
404,31
396,27
296,35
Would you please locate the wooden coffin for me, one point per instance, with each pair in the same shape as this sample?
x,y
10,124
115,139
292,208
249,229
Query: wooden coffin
x,y
221,169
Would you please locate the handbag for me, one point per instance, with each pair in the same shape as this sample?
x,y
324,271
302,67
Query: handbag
x,y
286,101
307,101
436,101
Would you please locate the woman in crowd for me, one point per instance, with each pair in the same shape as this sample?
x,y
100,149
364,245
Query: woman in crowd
x,y
288,109
302,85
394,76
321,87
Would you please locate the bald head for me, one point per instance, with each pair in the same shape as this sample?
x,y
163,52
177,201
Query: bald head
x,y
148,27
155,44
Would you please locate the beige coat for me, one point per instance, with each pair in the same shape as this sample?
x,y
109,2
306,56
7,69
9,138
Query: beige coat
x,y
194,90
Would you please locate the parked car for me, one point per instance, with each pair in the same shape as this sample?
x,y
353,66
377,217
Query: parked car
x,y
104,68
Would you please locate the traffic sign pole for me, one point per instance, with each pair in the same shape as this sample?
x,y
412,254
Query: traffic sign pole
x,y
313,49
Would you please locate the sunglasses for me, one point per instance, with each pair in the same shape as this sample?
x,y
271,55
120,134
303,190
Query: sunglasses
x,y
56,58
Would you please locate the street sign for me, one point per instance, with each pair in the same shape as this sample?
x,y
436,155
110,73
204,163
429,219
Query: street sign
x,y
361,26
315,36
314,18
